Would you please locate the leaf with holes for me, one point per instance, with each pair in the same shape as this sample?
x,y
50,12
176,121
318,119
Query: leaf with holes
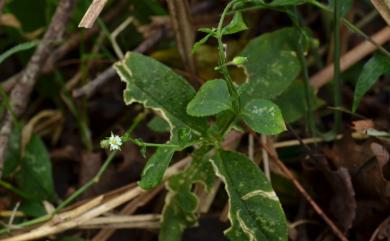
x,y
255,212
272,64
263,116
372,70
212,98
181,203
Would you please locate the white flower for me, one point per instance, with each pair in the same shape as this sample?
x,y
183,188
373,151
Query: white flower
x,y
115,142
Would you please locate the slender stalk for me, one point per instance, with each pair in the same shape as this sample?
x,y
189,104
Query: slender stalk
x,y
84,188
10,187
87,185
350,26
222,60
336,60
223,67
294,15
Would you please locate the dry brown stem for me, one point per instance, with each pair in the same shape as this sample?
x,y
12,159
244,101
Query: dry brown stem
x,y
383,7
350,58
92,13
305,194
20,94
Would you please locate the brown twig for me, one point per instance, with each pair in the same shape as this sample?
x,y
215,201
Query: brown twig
x,y
184,31
92,13
383,8
351,58
374,235
129,209
21,92
123,221
303,191
74,40
89,89
92,209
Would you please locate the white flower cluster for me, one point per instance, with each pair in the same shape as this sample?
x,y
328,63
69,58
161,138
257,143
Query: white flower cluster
x,y
114,142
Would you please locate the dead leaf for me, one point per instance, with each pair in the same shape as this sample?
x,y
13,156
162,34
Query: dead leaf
x,y
343,203
384,230
371,179
9,20
349,154
382,155
361,126
383,7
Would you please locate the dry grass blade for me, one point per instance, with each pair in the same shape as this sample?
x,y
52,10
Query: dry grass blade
x,y
350,58
383,7
121,221
184,31
22,90
92,13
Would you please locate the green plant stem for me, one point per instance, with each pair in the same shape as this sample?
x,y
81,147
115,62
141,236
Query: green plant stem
x,y
307,89
225,71
84,188
70,199
87,185
10,187
350,26
222,60
336,63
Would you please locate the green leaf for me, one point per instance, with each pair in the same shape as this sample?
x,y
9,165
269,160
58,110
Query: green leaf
x,y
272,64
156,86
181,203
263,116
12,156
17,48
372,70
35,177
155,167
255,212
346,5
212,98
202,41
33,208
158,124
292,102
236,25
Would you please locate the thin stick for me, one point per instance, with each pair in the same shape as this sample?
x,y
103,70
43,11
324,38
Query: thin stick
x,y
376,232
313,140
91,87
114,35
48,229
21,92
383,8
11,219
129,209
265,158
251,151
350,58
92,13
122,219
305,194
